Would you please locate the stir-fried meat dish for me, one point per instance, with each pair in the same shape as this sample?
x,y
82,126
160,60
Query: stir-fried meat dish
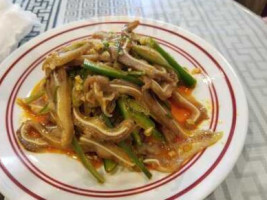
x,y
116,99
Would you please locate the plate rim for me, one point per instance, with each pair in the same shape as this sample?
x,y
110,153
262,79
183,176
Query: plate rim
x,y
149,21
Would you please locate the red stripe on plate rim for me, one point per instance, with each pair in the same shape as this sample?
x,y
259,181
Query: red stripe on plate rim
x,y
214,61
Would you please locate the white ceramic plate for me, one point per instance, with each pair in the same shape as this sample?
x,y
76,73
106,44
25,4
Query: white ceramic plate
x,y
26,175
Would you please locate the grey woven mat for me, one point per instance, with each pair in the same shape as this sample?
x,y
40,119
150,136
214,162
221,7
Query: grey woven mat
x,y
238,34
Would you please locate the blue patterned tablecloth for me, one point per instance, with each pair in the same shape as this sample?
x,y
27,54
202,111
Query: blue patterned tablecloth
x,y
237,33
